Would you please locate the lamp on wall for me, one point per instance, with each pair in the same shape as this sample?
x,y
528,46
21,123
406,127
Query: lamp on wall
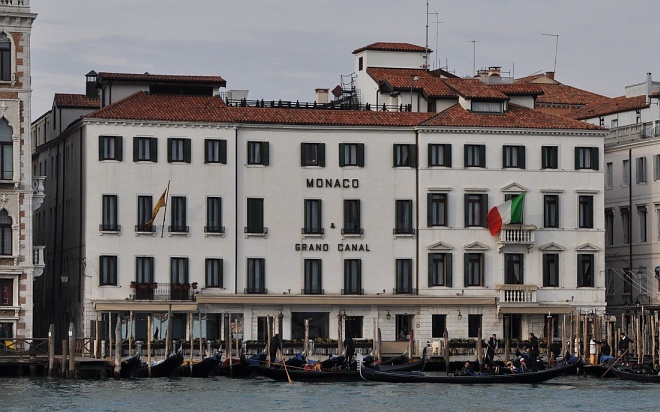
x,y
459,315
64,278
388,316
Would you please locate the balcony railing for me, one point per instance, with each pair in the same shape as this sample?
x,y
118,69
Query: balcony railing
x,y
145,228
312,231
517,293
333,105
624,134
352,231
178,229
404,291
403,231
255,291
214,229
163,291
109,227
312,291
517,234
352,291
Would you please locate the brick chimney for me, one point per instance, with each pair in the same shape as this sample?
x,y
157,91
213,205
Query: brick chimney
x,y
550,75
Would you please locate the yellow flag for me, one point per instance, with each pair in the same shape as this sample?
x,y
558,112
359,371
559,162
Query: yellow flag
x,y
159,204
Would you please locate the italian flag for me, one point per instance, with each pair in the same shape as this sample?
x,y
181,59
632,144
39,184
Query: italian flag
x,y
508,212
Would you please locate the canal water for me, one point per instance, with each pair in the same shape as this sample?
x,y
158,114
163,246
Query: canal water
x,y
568,393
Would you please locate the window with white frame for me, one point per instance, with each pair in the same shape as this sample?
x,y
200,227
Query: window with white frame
x,y
313,277
404,276
625,223
439,155
108,270
549,157
551,269
5,233
625,171
178,150
642,216
586,158
214,273
6,151
215,151
440,269
641,169
474,269
110,148
656,167
609,175
586,212
145,149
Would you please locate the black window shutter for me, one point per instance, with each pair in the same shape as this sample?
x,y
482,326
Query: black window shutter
x,y
413,155
431,269
118,146
447,153
504,163
265,153
579,271
321,154
101,139
466,264
594,158
169,150
429,209
187,150
484,210
466,210
546,271
521,157
482,155
360,153
302,153
342,154
428,155
466,148
153,145
448,270
577,158
135,148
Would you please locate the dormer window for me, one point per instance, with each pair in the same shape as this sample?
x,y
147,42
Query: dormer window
x,y
486,107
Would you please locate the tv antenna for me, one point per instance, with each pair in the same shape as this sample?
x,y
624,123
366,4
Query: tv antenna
x,y
437,26
474,54
556,36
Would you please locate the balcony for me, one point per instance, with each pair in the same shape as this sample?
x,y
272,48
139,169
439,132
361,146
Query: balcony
x,y
214,231
38,192
352,231
178,229
109,227
145,229
255,231
255,291
627,134
38,259
353,291
164,291
403,231
517,293
517,235
404,291
312,291
313,231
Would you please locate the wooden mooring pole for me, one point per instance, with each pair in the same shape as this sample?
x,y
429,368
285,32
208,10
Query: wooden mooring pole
x,y
65,347
117,348
71,373
51,350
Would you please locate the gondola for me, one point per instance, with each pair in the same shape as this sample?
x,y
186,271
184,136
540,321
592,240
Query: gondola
x,y
643,373
201,369
369,374
234,368
599,370
162,369
311,374
128,366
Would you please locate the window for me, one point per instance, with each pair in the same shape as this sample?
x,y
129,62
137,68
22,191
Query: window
x,y
513,269
404,218
549,157
475,155
352,277
585,270
438,325
353,326
550,211
256,276
474,325
487,107
474,269
656,167
476,210
144,270
641,169
110,148
5,58
179,271
214,277
145,149
258,153
144,212
437,209
440,269
351,154
255,216
586,212
641,213
404,277
214,215
108,271
405,155
178,220
352,225
360,64
312,154
313,221
626,172
109,206
178,150
625,223
6,150
439,155
609,227
551,269
586,158
609,174
5,233
215,151
7,292
313,277
513,157
614,123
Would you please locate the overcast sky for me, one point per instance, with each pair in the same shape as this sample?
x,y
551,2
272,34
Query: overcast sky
x,y
284,49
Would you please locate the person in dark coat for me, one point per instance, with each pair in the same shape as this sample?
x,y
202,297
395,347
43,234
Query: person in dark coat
x,y
624,346
349,344
491,348
274,346
533,351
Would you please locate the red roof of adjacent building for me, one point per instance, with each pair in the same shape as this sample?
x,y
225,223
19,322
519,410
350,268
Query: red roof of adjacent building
x,y
474,89
556,93
145,107
168,78
76,101
400,47
615,105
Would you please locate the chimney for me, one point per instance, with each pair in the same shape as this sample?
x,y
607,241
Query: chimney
x,y
550,75
90,85
322,95
649,87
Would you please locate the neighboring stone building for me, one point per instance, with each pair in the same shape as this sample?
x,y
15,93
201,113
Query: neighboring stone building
x,y
20,260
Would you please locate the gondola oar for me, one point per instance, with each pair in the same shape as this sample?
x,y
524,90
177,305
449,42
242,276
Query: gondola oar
x,y
286,370
612,365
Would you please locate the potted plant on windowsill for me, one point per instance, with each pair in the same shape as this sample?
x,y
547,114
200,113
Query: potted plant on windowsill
x,y
154,285
133,285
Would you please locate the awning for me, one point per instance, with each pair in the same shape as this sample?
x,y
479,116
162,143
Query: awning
x,y
145,306
536,310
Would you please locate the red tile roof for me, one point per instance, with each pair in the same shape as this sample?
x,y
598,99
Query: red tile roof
x,y
615,105
519,89
518,117
556,93
145,107
474,89
167,78
400,47
76,101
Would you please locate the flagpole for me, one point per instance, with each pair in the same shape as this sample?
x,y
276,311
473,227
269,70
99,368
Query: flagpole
x,y
162,229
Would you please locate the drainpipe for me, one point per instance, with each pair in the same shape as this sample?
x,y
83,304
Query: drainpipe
x,y
418,209
236,210
630,211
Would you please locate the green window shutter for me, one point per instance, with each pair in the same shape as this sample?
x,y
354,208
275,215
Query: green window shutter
x,y
342,149
169,150
223,152
265,153
448,270
594,158
482,155
429,209
430,264
360,153
135,149
321,154
577,158
119,140
413,155
187,150
466,265
521,157
484,210
302,154
447,153
153,143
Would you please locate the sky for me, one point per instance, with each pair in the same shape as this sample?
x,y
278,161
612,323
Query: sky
x,y
284,49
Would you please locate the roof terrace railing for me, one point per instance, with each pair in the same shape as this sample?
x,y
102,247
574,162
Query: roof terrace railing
x,y
336,105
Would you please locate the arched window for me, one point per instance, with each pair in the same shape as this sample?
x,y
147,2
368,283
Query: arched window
x,y
5,58
5,233
6,151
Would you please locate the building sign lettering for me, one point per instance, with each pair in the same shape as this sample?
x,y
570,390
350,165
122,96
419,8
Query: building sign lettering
x,y
340,183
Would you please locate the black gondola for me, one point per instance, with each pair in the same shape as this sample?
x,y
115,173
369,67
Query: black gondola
x,y
352,374
162,369
201,369
128,366
640,373
473,378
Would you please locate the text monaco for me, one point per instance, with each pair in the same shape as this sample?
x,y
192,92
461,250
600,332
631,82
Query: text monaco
x,y
341,183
